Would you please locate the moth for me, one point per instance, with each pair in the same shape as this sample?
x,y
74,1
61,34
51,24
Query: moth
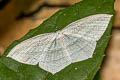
x,y
55,51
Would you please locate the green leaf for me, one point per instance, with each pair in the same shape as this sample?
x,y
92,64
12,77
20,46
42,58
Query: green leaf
x,y
97,77
87,69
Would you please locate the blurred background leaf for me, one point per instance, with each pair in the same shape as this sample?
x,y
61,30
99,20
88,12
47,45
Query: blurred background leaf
x,y
3,3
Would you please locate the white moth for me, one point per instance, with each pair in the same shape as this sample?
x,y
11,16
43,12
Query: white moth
x,y
54,51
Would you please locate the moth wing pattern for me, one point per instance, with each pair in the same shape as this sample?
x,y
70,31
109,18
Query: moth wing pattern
x,y
55,51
